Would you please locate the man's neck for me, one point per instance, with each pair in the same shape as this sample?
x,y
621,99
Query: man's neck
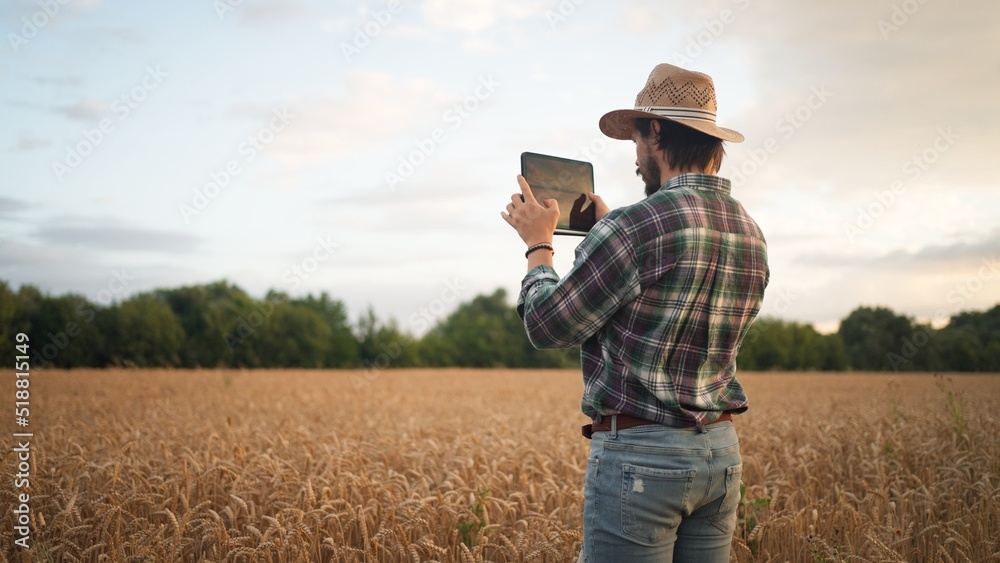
x,y
668,174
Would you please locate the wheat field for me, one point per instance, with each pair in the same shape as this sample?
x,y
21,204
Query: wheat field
x,y
478,465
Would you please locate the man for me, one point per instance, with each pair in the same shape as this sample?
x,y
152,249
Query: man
x,y
660,296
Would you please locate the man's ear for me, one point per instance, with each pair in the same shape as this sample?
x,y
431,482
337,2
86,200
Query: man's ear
x,y
654,133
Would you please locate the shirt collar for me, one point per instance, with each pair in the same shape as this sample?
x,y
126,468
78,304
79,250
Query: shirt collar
x,y
699,182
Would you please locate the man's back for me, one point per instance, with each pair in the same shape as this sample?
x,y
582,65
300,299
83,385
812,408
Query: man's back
x,y
701,269
660,295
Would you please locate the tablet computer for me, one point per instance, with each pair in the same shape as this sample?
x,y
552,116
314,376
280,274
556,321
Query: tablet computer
x,y
568,182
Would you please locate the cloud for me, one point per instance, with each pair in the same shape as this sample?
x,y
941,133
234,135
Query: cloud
x,y
891,92
335,25
481,45
64,80
438,202
267,13
15,11
86,5
933,258
26,142
102,279
465,17
85,109
10,207
476,17
931,282
117,238
123,34
373,107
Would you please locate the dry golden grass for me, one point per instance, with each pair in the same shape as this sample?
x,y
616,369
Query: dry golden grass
x,y
395,466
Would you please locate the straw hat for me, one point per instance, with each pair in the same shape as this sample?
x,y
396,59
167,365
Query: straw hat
x,y
673,93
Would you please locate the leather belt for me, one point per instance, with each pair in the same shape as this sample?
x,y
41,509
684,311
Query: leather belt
x,y
626,421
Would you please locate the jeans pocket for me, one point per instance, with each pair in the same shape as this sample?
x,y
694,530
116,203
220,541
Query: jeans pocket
x,y
653,501
725,520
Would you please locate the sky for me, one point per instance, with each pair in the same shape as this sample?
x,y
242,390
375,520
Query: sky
x,y
366,149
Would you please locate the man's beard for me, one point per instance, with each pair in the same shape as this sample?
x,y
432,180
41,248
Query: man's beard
x,y
650,174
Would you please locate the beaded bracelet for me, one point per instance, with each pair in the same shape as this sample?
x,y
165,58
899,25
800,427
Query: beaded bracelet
x,y
540,246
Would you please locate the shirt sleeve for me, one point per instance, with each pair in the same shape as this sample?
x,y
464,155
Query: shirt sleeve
x,y
560,313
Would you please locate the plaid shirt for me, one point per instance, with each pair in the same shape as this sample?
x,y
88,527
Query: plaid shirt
x,y
660,296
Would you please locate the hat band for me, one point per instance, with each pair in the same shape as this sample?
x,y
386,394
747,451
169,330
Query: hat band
x,y
680,112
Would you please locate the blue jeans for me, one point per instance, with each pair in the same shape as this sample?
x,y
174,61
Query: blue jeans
x,y
656,493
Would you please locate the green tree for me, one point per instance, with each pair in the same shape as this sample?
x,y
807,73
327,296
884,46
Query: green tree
x,y
834,356
437,350
766,346
973,342
384,345
341,345
871,335
8,310
148,333
216,319
774,344
292,336
61,329
959,349
486,332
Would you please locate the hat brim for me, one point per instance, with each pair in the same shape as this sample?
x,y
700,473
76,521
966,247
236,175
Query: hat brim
x,y
620,124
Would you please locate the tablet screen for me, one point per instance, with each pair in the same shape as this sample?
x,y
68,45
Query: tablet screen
x,y
567,181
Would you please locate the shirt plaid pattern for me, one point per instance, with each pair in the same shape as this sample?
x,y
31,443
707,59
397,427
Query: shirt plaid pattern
x,y
660,296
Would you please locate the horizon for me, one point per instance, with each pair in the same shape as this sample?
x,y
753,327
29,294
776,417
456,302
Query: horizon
x,y
295,146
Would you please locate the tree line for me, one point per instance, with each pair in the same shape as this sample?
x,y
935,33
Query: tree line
x,y
220,325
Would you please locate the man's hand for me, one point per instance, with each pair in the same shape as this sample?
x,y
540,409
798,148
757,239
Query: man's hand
x,y
600,208
534,222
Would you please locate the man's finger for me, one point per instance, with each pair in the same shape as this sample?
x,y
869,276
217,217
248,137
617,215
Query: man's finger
x,y
525,189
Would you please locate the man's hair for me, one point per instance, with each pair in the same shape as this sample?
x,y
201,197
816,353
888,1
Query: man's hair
x,y
685,148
